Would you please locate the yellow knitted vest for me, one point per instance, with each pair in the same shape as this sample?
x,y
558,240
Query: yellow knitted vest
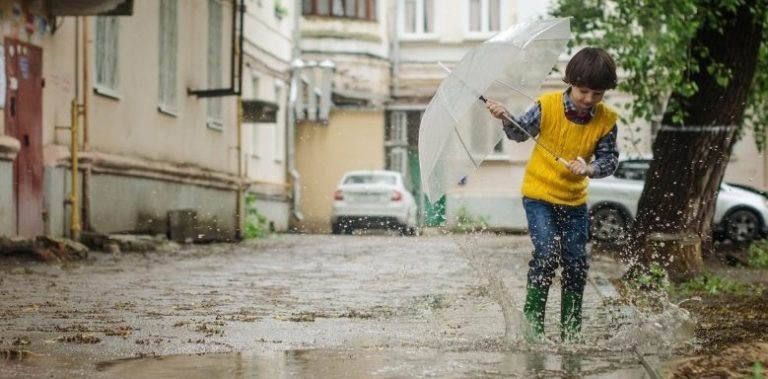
x,y
549,180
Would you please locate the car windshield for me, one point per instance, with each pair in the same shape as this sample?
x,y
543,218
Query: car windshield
x,y
634,170
370,179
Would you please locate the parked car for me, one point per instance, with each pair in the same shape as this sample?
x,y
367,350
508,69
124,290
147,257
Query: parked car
x,y
373,199
741,215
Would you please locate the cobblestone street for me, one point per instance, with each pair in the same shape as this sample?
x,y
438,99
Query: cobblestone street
x,y
302,306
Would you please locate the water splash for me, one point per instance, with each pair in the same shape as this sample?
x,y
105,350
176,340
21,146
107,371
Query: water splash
x,y
513,320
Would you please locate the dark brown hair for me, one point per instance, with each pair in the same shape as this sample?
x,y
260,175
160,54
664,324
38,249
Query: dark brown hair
x,y
593,68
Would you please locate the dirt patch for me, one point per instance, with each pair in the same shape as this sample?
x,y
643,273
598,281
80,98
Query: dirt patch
x,y
732,328
747,360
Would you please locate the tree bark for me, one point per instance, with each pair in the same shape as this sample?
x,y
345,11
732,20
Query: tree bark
x,y
690,157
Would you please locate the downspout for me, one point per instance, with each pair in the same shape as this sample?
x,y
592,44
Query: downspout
x,y
240,203
395,50
74,225
86,142
296,65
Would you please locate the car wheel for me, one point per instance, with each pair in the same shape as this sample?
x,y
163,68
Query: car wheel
x,y
608,224
336,228
742,225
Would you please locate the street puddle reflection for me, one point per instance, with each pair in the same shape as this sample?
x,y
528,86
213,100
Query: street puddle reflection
x,y
378,363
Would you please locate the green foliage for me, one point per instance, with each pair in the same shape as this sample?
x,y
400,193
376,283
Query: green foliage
x,y
467,222
654,278
758,254
713,284
758,372
653,41
256,225
280,9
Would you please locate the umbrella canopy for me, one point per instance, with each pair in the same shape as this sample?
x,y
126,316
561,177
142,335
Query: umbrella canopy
x,y
457,132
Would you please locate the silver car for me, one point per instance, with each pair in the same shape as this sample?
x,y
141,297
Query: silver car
x,y
741,214
373,199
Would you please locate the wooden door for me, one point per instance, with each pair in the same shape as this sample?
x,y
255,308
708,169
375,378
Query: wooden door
x,y
23,121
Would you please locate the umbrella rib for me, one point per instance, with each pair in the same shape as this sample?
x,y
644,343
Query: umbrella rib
x,y
513,88
455,129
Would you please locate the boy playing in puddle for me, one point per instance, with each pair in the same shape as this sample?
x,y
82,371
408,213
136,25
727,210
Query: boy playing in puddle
x,y
576,126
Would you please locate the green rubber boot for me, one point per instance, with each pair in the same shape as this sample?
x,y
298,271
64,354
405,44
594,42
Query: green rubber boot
x,y
570,315
535,306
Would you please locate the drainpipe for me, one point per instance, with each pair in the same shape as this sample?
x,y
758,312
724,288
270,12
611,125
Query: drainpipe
x,y
240,203
86,141
395,50
296,65
74,226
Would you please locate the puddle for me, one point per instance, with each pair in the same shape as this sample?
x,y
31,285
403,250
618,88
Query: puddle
x,y
354,364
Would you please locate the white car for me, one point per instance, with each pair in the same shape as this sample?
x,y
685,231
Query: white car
x,y
373,199
741,214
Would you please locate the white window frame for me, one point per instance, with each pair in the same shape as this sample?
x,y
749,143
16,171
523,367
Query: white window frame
x,y
215,105
398,129
484,31
106,56
420,33
398,160
167,86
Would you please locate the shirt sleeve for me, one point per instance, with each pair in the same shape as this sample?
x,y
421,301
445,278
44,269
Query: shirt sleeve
x,y
530,121
606,155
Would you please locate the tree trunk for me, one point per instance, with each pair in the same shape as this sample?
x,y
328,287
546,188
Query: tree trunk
x,y
690,157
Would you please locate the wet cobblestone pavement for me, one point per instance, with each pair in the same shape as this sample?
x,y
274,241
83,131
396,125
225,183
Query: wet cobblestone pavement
x,y
369,306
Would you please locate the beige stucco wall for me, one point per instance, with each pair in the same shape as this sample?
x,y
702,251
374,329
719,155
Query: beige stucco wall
x,y
352,140
131,124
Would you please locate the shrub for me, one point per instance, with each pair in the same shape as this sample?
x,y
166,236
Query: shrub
x,y
256,225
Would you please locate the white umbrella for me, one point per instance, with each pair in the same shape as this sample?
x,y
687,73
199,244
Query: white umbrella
x,y
457,132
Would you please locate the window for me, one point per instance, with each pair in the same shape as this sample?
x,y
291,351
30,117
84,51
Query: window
x,y
499,148
214,61
398,133
358,9
484,16
254,87
418,17
168,51
398,160
105,55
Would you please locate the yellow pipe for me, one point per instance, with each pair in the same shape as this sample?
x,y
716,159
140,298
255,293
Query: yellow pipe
x,y
73,198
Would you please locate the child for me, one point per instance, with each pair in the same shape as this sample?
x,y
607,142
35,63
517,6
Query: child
x,y
575,125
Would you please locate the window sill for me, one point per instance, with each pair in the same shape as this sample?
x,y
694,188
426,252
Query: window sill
x,y
418,37
107,92
215,125
498,157
172,112
472,36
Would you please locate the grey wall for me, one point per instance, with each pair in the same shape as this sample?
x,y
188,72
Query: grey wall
x,y
139,205
7,212
128,204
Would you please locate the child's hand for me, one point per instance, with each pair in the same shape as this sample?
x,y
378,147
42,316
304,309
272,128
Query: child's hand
x,y
579,167
496,109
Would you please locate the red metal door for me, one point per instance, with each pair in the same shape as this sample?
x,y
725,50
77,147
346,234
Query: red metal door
x,y
23,121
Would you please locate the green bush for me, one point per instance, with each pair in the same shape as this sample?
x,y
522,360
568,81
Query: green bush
x,y
256,224
758,254
467,222
654,278
713,284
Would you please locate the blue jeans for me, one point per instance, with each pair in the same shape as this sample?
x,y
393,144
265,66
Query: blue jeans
x,y
559,234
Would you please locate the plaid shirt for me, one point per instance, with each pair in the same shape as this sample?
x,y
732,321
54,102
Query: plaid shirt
x,y
606,152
